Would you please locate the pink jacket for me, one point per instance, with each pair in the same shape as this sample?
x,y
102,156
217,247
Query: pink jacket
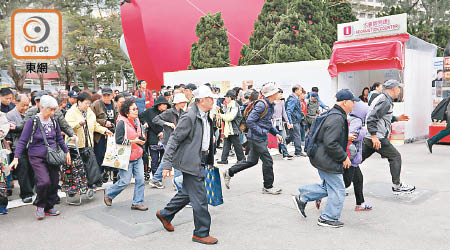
x,y
131,133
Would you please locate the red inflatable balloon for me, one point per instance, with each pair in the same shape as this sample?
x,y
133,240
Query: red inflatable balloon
x,y
159,34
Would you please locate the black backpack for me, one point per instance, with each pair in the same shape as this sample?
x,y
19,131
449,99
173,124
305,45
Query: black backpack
x,y
310,140
243,123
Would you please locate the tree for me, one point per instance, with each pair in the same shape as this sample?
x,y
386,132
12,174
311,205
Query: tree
x,y
294,41
257,51
212,49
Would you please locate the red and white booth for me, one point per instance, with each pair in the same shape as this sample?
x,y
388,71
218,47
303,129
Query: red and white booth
x,y
380,49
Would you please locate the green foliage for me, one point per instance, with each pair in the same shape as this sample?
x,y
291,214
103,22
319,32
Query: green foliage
x,y
212,49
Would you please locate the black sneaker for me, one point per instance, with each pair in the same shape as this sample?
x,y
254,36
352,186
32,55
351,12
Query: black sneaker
x,y
403,189
429,146
222,162
300,205
329,223
300,155
27,199
288,157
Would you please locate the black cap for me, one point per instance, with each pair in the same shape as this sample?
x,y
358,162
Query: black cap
x,y
346,94
191,86
231,94
107,91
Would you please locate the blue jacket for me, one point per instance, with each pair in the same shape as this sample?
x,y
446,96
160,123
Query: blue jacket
x,y
322,105
294,109
258,128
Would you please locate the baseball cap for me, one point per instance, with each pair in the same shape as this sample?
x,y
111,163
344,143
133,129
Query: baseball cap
x,y
390,84
107,91
203,92
191,86
73,94
41,93
346,94
231,94
315,95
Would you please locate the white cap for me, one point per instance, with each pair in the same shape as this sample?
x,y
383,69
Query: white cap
x,y
269,89
180,97
203,92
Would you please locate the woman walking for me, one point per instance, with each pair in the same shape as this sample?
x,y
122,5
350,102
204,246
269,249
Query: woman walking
x,y
129,132
37,133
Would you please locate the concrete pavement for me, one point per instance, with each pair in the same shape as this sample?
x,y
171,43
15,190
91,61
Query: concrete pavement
x,y
250,220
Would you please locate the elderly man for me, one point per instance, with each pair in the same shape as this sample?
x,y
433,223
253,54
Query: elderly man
x,y
144,97
259,122
7,97
24,171
105,112
295,116
189,149
330,158
188,92
379,121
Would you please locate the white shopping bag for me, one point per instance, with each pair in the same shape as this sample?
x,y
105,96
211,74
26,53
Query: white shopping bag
x,y
116,156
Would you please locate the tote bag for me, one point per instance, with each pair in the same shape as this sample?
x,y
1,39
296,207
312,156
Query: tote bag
x,y
117,156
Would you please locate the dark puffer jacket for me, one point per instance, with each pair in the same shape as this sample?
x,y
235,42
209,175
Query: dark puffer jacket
x,y
332,142
147,117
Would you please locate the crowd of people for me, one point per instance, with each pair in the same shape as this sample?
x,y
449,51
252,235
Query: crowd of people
x,y
180,129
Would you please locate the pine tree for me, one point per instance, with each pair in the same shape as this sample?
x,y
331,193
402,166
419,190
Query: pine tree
x,y
212,49
257,51
294,41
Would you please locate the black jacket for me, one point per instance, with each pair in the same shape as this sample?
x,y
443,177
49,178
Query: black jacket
x,y
332,143
147,117
170,115
184,149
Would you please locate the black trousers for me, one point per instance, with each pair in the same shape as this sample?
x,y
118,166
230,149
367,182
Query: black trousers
x,y
388,151
354,174
25,176
258,150
193,191
232,139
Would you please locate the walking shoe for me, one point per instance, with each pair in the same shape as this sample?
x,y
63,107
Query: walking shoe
x,y
359,208
155,184
166,224
139,207
272,190
27,199
222,162
299,205
300,155
429,146
205,240
40,214
52,212
189,205
317,202
226,179
107,200
288,157
403,189
329,223
3,210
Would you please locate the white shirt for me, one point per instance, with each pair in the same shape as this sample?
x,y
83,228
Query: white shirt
x,y
206,131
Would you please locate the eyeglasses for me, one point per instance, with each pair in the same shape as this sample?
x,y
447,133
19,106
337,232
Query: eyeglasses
x,y
133,109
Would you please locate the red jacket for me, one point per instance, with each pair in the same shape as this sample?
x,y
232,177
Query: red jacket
x,y
304,107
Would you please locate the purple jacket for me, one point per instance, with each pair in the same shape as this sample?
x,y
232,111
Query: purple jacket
x,y
356,122
37,147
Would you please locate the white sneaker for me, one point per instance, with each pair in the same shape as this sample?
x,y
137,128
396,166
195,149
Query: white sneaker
x,y
272,190
403,189
226,179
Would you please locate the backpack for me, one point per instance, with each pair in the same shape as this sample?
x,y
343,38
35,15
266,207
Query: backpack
x,y
440,112
310,141
243,124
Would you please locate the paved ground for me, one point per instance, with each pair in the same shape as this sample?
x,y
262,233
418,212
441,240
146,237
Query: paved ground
x,y
251,220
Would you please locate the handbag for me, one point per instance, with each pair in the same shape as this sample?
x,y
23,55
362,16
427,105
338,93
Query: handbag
x,y
90,161
55,156
213,186
117,155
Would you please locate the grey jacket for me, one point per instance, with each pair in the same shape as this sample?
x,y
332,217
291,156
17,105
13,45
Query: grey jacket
x,y
170,115
184,149
15,118
380,116
58,116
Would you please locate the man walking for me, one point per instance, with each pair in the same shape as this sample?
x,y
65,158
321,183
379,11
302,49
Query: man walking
x,y
189,149
330,158
295,116
232,118
259,122
379,120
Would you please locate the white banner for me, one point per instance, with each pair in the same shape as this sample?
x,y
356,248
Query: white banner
x,y
382,26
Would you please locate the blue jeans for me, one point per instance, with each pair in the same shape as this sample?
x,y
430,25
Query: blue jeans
x,y
136,169
302,131
333,187
297,138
